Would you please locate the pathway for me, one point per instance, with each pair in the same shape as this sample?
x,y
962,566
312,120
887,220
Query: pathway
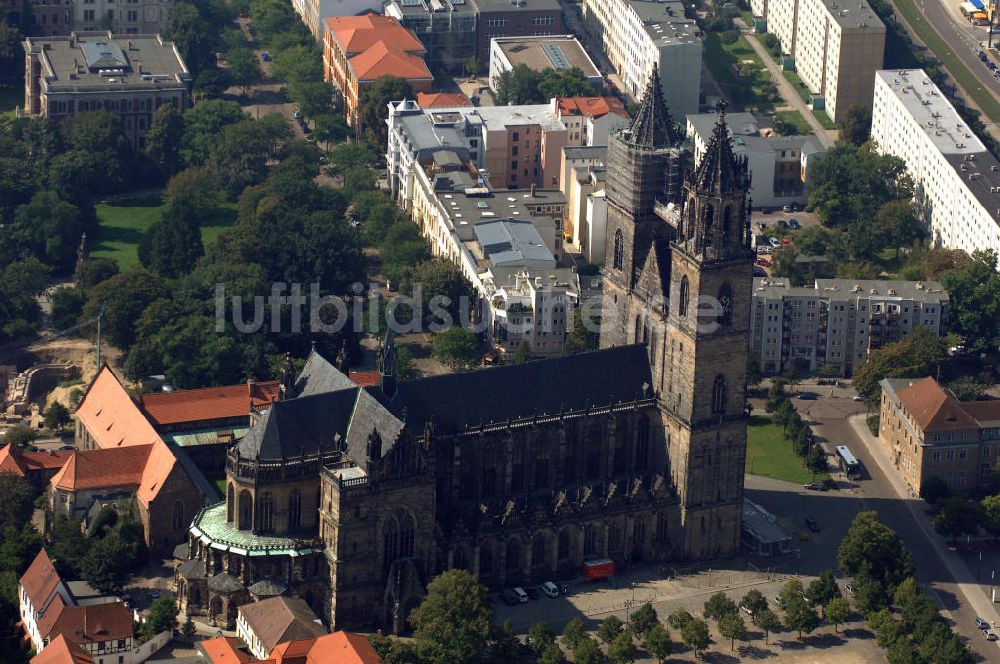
x,y
826,136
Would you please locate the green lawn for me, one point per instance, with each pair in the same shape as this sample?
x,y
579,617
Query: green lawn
x,y
946,54
9,98
123,223
824,119
795,119
797,83
744,93
770,455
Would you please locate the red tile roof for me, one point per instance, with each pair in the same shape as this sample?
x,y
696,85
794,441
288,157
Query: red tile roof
x,y
365,378
61,651
208,403
983,411
14,459
933,407
91,624
337,648
442,99
378,46
593,107
387,59
111,416
97,469
40,580
224,650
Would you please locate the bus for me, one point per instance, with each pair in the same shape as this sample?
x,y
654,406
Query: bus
x,y
848,463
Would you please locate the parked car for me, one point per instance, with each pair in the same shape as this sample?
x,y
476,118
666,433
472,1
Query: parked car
x,y
296,114
814,486
812,524
990,635
759,272
982,55
807,396
775,242
857,397
849,589
982,624
550,589
515,596
532,593
991,65
265,56
746,610
794,224
67,448
778,602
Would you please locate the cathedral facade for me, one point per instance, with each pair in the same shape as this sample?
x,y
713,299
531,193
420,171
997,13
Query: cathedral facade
x,y
519,474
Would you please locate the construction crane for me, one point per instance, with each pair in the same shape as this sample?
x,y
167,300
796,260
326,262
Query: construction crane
x,y
96,319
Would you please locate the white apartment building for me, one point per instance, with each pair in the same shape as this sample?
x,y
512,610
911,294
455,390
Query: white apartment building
x,y
837,46
779,164
312,12
637,35
129,17
957,179
531,309
541,52
836,322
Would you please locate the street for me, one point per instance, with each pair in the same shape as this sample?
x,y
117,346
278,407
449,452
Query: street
x,y
833,424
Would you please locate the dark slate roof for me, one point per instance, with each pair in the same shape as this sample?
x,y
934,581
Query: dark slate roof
x,y
192,569
268,588
297,427
319,376
653,126
720,169
370,415
497,394
225,583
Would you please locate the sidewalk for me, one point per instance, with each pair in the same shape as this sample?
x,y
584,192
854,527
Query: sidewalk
x,y
975,595
791,96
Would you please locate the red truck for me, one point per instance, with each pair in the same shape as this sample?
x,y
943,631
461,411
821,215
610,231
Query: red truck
x,y
595,570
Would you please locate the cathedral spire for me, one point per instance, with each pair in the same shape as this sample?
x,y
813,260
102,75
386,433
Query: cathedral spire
x,y
720,169
653,126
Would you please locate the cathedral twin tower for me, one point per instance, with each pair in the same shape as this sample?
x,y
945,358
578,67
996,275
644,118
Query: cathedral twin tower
x,y
678,278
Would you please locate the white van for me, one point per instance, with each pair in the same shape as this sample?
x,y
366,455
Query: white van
x,y
522,597
550,589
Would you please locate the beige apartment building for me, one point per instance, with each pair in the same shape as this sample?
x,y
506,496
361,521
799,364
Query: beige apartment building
x,y
836,47
927,432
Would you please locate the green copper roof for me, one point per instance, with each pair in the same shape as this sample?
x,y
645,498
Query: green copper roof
x,y
210,527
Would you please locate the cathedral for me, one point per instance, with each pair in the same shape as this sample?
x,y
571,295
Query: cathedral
x,y
355,497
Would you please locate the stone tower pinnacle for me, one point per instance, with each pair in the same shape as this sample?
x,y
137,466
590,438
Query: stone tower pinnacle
x,y
653,126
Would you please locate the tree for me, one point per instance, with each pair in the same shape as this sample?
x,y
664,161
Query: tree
x,y
574,632
516,86
838,611
540,637
20,435
127,296
193,35
67,304
359,179
455,616
898,223
658,642
211,82
991,514
456,347
856,125
870,595
49,229
823,590
507,646
957,517
622,650
754,375
967,388
240,157
719,606
934,489
754,602
109,562
817,461
314,98
522,353
588,652
609,629
579,339
800,616
732,627
69,547
941,261
93,271
244,69
472,66
188,629
643,619
919,354
162,617
202,126
768,621
163,141
974,293
679,618
328,128
552,654
871,550
56,416
695,635
11,60
563,83
373,106
172,246
17,501
18,547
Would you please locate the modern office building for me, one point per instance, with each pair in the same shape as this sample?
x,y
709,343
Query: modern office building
x,y
560,52
358,50
779,164
637,35
836,47
957,179
832,325
928,432
88,71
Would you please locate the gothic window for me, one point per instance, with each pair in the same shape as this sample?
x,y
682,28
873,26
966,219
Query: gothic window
x,y
458,559
178,516
719,395
709,222
692,225
541,473
562,550
266,511
727,220
230,507
538,550
594,464
662,528
726,304
406,533
517,470
294,509
621,447
638,329
390,542
485,561
685,296
619,249
246,510
642,444
513,554
590,541
490,481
